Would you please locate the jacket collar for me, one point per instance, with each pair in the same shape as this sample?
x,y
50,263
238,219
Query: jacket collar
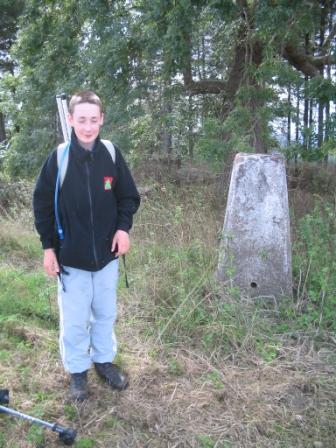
x,y
80,152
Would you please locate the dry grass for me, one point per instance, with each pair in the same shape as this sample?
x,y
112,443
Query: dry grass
x,y
288,402
254,404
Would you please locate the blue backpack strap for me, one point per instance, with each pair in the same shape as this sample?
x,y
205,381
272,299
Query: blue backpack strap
x,y
62,160
62,163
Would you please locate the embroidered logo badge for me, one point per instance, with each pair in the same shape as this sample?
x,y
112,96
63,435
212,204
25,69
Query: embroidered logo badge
x,y
108,183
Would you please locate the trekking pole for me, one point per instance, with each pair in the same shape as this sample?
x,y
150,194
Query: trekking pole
x,y
62,106
66,435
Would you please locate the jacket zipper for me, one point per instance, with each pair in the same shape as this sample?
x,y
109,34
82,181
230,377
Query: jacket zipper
x,y
91,215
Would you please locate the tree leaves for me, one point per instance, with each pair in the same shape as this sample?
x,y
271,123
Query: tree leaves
x,y
149,59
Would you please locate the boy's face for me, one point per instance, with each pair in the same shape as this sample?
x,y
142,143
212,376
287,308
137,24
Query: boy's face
x,y
86,120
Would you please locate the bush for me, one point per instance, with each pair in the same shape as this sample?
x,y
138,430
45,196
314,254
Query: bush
x,y
315,265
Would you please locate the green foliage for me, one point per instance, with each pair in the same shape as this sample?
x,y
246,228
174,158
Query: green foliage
x,y
70,412
85,443
174,367
216,379
10,11
26,294
211,144
321,89
2,440
36,436
314,267
15,197
46,49
144,137
298,151
206,441
145,59
27,152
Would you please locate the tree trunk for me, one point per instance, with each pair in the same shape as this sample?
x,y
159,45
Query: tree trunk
x,y
321,70
306,115
327,106
167,140
248,56
289,115
311,122
320,127
257,103
190,128
306,102
297,120
2,128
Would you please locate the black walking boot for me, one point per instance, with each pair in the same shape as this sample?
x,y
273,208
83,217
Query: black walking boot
x,y
78,386
113,376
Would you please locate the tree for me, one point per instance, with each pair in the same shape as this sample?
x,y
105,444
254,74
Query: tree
x,y
193,77
10,11
46,52
256,41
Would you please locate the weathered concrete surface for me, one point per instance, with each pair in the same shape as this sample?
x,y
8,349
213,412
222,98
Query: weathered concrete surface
x,y
255,252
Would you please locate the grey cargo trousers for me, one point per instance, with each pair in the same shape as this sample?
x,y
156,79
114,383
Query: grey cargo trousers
x,y
88,311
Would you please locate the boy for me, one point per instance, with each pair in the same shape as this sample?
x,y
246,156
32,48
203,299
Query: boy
x,y
96,204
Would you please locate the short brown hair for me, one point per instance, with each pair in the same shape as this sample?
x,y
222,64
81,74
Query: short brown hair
x,y
85,96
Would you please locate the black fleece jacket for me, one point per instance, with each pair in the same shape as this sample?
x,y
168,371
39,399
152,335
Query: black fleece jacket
x,y
97,198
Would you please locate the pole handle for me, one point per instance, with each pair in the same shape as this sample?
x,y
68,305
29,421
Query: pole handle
x,y
4,396
62,107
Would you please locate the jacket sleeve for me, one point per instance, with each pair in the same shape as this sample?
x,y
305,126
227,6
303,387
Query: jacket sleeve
x,y
43,202
128,198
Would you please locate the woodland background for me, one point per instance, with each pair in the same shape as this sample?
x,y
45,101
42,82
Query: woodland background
x,y
186,85
194,79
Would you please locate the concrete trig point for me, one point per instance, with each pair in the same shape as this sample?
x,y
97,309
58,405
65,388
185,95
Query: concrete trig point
x,y
255,251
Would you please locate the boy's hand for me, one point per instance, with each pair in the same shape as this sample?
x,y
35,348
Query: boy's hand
x,y
120,243
50,263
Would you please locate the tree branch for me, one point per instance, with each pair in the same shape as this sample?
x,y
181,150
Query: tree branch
x,y
300,60
216,86
204,86
306,63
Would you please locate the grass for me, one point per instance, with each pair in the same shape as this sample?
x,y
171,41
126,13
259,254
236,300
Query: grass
x,y
208,367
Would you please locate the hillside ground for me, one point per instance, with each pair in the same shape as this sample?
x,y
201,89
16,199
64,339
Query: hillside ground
x,y
208,367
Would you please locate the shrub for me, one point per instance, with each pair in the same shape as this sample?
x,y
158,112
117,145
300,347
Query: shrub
x,y
314,267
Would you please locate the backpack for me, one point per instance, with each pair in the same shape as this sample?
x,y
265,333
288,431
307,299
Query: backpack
x,y
62,163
